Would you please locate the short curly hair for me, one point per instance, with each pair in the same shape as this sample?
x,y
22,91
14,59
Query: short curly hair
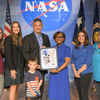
x,y
57,33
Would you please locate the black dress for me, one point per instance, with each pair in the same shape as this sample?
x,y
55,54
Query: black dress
x,y
20,71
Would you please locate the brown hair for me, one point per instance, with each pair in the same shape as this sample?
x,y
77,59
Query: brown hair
x,y
32,60
37,20
12,35
1,41
57,33
86,42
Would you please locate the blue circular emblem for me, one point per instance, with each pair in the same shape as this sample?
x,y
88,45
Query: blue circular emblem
x,y
53,13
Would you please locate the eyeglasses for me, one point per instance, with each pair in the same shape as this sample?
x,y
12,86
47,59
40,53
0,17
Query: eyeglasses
x,y
59,37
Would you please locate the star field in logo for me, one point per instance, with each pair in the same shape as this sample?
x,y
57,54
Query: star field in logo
x,y
53,13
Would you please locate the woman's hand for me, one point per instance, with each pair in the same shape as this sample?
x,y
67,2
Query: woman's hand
x,y
77,75
13,74
53,71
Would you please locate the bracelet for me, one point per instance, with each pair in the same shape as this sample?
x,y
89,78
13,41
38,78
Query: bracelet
x,y
57,71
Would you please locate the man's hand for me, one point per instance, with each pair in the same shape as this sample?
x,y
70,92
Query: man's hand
x,y
43,47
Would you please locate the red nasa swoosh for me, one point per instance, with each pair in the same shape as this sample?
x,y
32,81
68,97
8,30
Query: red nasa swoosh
x,y
45,11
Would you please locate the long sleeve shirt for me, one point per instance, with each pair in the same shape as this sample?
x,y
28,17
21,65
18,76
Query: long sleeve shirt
x,y
83,56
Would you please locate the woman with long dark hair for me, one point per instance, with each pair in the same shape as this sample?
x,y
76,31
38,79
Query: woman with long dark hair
x,y
81,63
1,61
13,60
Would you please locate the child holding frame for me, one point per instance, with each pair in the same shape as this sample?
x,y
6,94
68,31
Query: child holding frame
x,y
34,80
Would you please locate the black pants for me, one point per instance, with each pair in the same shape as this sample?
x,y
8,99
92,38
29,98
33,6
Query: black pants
x,y
82,85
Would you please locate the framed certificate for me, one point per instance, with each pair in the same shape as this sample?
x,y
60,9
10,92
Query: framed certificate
x,y
48,58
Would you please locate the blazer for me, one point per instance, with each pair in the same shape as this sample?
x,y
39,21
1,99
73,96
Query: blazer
x,y
31,48
13,55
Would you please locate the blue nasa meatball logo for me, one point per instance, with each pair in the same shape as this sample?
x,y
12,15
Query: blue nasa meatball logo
x,y
53,13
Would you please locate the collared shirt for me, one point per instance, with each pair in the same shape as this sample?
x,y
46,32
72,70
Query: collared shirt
x,y
82,56
39,39
96,63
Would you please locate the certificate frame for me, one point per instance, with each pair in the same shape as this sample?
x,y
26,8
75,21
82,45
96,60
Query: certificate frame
x,y
48,58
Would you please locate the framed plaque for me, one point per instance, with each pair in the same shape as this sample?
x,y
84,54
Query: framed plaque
x,y
48,58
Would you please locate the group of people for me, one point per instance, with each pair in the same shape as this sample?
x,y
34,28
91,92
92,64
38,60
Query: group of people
x,y
20,53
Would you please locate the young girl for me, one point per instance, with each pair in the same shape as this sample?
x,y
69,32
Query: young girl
x,y
1,62
13,60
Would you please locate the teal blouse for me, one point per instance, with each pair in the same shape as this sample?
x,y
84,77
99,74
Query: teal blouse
x,y
96,63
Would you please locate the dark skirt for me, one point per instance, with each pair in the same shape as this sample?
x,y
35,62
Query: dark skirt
x,y
8,81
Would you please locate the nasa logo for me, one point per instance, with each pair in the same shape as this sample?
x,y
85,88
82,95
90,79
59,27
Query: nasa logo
x,y
96,30
54,13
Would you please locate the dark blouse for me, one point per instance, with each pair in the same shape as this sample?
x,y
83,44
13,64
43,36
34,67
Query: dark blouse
x,y
13,54
1,62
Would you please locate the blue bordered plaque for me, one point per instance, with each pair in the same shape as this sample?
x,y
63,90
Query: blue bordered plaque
x,y
48,58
